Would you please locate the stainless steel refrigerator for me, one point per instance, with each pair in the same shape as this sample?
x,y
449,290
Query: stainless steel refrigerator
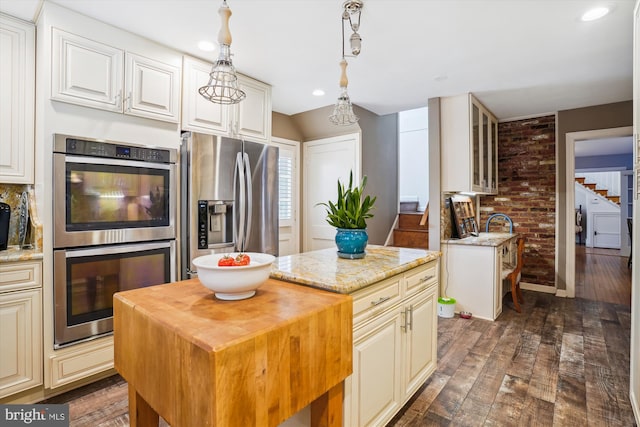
x,y
229,197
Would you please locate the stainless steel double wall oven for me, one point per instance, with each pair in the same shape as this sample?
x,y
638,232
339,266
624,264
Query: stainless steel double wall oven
x,y
114,212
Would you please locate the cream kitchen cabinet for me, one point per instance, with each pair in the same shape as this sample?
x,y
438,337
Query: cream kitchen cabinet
x,y
21,360
473,272
394,345
469,146
198,114
251,118
93,74
17,100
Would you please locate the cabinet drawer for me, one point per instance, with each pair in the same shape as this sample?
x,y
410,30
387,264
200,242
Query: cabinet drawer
x,y
421,278
20,275
76,365
375,299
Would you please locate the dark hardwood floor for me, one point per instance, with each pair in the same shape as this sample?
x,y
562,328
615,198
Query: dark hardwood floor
x,y
561,362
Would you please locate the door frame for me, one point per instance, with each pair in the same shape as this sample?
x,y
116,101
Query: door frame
x,y
295,222
570,171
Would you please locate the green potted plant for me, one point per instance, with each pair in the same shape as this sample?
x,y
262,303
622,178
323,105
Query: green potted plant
x,y
349,214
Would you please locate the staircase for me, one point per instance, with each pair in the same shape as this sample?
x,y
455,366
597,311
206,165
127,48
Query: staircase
x,y
409,233
603,192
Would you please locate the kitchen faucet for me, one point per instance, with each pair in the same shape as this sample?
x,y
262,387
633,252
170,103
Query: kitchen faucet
x,y
500,215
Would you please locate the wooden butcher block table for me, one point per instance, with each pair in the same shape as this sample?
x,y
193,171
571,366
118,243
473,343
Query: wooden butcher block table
x,y
199,361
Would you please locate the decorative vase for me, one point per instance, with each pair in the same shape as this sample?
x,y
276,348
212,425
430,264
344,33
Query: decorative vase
x,y
351,242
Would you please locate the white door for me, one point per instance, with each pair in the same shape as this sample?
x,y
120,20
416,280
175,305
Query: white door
x,y
289,196
606,230
325,161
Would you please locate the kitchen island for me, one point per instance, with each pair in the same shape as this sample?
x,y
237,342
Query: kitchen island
x,y
395,293
199,361
473,269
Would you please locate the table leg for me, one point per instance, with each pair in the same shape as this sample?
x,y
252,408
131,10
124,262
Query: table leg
x,y
140,413
326,411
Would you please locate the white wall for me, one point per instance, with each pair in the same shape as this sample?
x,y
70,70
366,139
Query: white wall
x,y
413,154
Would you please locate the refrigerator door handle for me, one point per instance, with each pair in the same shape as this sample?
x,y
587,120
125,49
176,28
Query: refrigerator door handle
x,y
239,229
249,196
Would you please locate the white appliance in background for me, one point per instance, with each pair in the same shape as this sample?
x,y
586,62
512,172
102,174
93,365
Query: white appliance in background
x,y
229,200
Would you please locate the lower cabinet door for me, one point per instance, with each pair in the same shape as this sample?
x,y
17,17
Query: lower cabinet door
x,y
373,389
420,340
21,338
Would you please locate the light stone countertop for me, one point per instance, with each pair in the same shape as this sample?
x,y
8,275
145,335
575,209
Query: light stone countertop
x,y
323,269
14,253
483,239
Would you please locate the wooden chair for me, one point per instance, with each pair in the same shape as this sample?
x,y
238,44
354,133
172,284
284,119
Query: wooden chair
x,y
514,277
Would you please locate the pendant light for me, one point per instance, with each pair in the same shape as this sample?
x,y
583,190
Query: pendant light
x,y
343,114
223,81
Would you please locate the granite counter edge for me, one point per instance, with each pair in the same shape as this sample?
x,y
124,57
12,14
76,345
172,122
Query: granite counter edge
x,y
355,285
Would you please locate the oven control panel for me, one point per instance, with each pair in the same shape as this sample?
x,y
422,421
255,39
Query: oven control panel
x,y
113,150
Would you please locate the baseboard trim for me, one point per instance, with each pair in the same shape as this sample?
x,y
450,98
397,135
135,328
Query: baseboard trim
x,y
538,288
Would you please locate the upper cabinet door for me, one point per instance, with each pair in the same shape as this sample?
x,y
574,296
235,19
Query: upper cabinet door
x,y
198,114
85,72
253,114
152,89
468,146
17,98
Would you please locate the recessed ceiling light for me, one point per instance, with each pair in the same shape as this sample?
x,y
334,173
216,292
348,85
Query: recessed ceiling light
x,y
595,13
318,92
206,46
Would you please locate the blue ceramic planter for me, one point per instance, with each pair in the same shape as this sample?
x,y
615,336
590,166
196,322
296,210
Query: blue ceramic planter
x,y
351,242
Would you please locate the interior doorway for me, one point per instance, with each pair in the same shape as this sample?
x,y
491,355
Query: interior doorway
x,y
572,139
413,159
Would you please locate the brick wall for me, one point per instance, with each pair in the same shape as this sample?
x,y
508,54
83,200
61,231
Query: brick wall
x,y
527,192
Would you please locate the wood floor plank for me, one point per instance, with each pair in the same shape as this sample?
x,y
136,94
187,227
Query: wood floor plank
x,y
602,402
544,378
455,391
509,401
524,355
570,408
536,412
457,353
490,339
572,356
573,319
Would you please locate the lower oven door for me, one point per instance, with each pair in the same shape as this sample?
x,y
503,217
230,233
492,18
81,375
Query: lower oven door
x,y
86,279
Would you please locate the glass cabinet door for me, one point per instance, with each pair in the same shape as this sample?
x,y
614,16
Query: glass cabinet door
x,y
475,129
486,152
494,157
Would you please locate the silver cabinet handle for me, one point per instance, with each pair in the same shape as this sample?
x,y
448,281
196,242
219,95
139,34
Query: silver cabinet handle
x,y
411,317
380,301
405,322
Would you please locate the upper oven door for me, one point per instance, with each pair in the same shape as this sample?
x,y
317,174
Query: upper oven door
x,y
106,201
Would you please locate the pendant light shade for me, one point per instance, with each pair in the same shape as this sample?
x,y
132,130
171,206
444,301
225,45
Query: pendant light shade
x,y
343,114
223,81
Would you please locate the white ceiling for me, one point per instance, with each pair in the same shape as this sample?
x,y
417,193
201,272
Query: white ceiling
x,y
604,146
519,57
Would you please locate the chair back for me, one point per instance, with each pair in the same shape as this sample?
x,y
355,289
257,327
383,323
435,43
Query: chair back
x,y
520,243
